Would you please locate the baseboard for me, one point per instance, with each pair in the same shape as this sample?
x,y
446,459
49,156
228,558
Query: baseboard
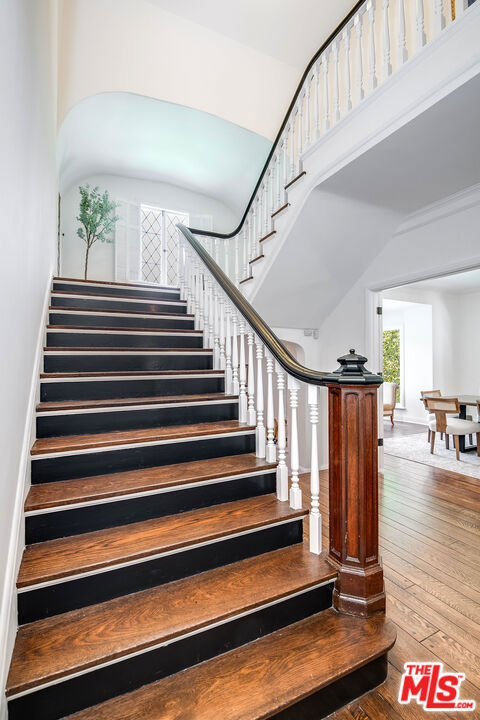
x,y
8,608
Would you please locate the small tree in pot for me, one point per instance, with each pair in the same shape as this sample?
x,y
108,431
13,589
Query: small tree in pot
x,y
97,218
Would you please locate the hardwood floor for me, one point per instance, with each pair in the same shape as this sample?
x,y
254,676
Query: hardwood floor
x,y
402,429
430,548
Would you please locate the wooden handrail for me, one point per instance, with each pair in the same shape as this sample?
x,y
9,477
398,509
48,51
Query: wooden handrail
x,y
312,62
351,369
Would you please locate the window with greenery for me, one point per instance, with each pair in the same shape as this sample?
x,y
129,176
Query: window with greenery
x,y
391,358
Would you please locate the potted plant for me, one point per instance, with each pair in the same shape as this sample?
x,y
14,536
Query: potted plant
x,y
97,218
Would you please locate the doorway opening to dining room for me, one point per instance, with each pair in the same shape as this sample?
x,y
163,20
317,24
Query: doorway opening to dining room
x,y
429,349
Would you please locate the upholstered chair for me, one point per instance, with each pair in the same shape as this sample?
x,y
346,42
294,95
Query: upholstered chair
x,y
389,399
444,411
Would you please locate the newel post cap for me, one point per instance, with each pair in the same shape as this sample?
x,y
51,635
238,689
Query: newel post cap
x,y
352,371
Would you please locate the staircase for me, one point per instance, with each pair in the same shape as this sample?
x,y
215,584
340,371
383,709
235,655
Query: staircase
x,y
161,576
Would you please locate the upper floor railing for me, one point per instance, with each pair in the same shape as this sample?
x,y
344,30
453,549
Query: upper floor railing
x,y
372,42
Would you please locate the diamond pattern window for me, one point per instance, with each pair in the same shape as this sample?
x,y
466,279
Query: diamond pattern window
x,y
160,245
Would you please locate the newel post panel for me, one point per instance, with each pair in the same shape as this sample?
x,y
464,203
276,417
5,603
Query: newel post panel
x,y
353,487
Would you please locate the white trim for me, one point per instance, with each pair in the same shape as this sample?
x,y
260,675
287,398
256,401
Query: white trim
x,y
161,332
146,443
16,542
463,200
123,378
125,408
155,556
146,493
178,638
107,298
131,286
92,312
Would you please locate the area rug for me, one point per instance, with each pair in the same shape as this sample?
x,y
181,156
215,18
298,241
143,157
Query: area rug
x,y
416,448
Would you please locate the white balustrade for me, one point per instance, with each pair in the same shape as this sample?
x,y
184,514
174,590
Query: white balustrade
x,y
372,56
282,468
228,351
336,86
235,381
402,34
359,62
242,376
326,107
387,65
346,81
438,17
221,340
216,331
270,451
421,37
251,414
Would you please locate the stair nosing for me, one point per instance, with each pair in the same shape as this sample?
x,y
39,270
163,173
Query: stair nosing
x,y
118,497
220,535
114,283
125,351
130,374
85,329
272,597
126,444
109,406
103,311
117,298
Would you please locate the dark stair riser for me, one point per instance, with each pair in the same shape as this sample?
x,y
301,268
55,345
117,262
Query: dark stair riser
x,y
108,584
116,320
120,340
125,419
56,362
109,389
340,693
117,290
95,303
124,676
102,462
62,523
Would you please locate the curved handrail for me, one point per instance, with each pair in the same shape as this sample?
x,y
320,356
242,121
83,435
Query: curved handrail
x,y
259,326
312,62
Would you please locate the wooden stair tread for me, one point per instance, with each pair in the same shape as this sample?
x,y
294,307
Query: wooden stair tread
x,y
57,647
121,373
86,293
71,443
69,556
66,492
133,350
121,402
124,330
261,678
81,310
115,282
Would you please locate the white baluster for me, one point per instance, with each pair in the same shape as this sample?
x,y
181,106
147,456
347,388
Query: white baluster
x,y
242,399
315,517
336,88
292,145
237,259
346,45
421,37
216,255
278,177
438,18
196,279
300,136
216,337
282,469
246,235
316,108
270,451
228,351
307,112
359,60
295,491
211,316
235,383
387,66
459,8
181,267
402,37
251,415
326,108
285,158
372,55
226,253
222,334
260,429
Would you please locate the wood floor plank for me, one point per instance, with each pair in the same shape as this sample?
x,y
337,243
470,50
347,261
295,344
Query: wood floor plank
x,y
72,642
69,556
410,621
456,655
395,577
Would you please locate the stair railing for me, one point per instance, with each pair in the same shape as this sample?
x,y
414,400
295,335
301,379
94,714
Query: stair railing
x,y
371,43
251,355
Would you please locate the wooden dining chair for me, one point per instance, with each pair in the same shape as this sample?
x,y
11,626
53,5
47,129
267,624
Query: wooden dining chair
x,y
431,393
443,408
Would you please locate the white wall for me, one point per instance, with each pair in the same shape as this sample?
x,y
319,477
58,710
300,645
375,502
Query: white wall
x,y
102,255
414,320
28,191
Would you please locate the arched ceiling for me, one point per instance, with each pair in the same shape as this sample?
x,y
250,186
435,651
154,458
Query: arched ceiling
x,y
131,135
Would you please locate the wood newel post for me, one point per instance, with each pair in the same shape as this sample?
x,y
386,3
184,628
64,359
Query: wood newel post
x,y
353,487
